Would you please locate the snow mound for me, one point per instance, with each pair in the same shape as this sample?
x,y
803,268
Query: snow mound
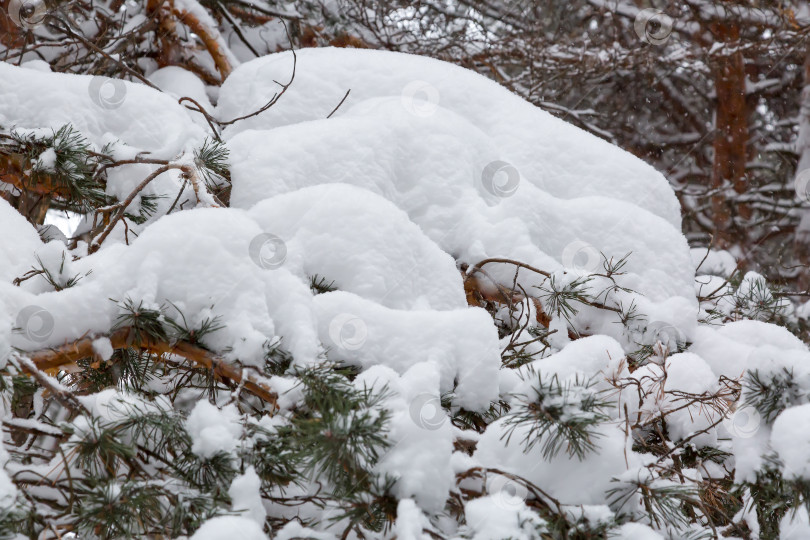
x,y
364,333
790,438
421,435
155,270
222,527
568,479
21,240
326,233
103,110
563,159
483,174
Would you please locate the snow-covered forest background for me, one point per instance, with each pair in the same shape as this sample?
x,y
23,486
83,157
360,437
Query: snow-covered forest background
x,y
433,270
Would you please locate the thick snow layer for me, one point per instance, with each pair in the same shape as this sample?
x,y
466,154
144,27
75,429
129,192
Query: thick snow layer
x,y
215,430
437,180
179,83
245,494
596,360
420,434
20,241
425,190
565,478
222,527
201,262
326,233
550,153
737,346
584,357
688,373
364,333
476,188
102,109
742,347
790,439
502,515
683,375
268,301
410,521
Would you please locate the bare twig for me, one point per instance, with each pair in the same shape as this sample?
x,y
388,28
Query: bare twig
x,y
339,104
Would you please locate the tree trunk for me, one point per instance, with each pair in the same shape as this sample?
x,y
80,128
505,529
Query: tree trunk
x,y
11,35
731,138
802,238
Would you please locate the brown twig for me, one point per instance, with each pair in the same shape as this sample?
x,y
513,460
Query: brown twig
x,y
122,206
208,118
276,97
509,261
339,104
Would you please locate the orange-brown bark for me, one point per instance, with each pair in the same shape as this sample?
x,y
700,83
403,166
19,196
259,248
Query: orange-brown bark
x,y
12,172
126,338
11,35
479,291
209,39
731,134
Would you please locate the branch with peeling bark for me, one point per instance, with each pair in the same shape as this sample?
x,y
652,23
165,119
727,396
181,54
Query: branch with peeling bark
x,y
127,337
210,38
171,48
14,172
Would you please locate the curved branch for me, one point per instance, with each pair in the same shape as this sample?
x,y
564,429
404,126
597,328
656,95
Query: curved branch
x,y
128,337
209,37
276,96
122,206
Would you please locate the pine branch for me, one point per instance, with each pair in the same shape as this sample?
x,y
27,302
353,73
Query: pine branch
x,y
559,415
131,337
